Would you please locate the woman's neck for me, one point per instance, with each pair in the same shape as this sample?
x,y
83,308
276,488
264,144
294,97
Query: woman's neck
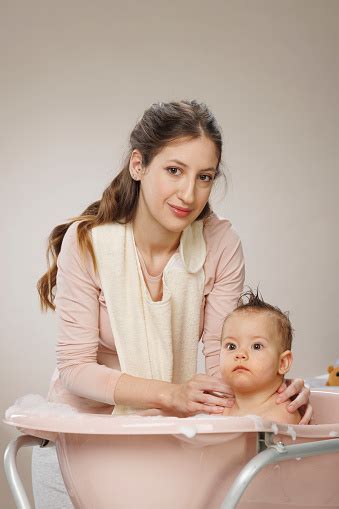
x,y
153,240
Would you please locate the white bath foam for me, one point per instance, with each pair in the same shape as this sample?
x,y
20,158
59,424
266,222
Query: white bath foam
x,y
238,421
291,431
36,405
333,434
275,428
188,431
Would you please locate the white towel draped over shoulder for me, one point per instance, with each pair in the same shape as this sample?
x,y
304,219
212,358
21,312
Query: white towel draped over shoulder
x,y
154,340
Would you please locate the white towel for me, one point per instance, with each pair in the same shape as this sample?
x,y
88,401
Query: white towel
x,y
154,340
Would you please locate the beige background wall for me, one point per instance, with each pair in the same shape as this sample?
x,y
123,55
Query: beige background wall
x,y
75,77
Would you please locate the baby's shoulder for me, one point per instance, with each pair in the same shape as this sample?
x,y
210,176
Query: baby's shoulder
x,y
280,414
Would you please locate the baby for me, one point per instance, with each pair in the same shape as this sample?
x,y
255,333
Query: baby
x,y
255,355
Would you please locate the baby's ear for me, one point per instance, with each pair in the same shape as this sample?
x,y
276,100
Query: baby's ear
x,y
330,368
285,361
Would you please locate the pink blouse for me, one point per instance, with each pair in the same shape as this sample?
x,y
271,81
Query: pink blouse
x,y
87,363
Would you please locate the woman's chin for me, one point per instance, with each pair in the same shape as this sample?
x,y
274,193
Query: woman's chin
x,y
176,226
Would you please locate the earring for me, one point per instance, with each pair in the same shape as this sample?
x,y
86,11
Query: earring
x,y
137,176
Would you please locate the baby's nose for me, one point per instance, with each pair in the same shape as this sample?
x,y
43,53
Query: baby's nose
x,y
241,354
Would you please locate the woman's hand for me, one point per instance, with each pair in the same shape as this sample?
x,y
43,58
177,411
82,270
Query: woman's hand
x,y
296,387
201,394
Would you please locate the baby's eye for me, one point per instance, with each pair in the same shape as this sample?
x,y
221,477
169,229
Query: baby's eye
x,y
230,346
257,346
173,170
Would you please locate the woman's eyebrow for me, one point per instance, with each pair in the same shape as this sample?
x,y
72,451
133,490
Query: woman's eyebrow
x,y
181,163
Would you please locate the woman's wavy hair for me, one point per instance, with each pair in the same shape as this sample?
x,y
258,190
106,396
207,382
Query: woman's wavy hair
x,y
160,124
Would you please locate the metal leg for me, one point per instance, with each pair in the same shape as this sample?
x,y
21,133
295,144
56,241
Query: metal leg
x,y
274,454
14,481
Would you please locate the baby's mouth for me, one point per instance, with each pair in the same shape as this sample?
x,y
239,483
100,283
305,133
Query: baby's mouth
x,y
242,368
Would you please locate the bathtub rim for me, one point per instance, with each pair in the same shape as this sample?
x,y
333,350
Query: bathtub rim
x,y
44,426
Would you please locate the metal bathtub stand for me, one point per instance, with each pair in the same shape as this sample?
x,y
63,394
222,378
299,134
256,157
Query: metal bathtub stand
x,y
14,481
270,452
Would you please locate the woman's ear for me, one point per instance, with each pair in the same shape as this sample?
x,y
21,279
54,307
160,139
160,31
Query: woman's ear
x,y
285,361
136,168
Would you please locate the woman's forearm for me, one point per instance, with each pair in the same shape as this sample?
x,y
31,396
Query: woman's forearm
x,y
142,392
189,398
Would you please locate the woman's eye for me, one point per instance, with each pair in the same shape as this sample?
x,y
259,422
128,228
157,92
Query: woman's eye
x,y
257,346
230,346
173,171
206,178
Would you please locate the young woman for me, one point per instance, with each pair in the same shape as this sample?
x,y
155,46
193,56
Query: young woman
x,y
144,273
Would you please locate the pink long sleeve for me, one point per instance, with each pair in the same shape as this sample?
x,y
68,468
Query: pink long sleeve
x,y
225,274
78,333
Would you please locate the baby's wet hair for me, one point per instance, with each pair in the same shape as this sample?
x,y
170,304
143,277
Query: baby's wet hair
x,y
253,301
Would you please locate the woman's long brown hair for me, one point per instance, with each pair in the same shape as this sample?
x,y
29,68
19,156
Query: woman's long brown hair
x,y
160,124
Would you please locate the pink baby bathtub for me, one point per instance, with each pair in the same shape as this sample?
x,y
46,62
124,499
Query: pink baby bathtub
x,y
203,462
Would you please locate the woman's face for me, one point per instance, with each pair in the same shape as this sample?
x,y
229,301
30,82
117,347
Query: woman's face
x,y
177,183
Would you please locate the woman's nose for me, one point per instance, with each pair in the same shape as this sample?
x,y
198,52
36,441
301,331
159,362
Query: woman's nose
x,y
186,192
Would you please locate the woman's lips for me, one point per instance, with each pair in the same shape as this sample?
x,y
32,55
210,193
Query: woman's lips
x,y
180,211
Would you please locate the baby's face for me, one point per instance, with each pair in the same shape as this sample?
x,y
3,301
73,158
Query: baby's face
x,y
250,350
